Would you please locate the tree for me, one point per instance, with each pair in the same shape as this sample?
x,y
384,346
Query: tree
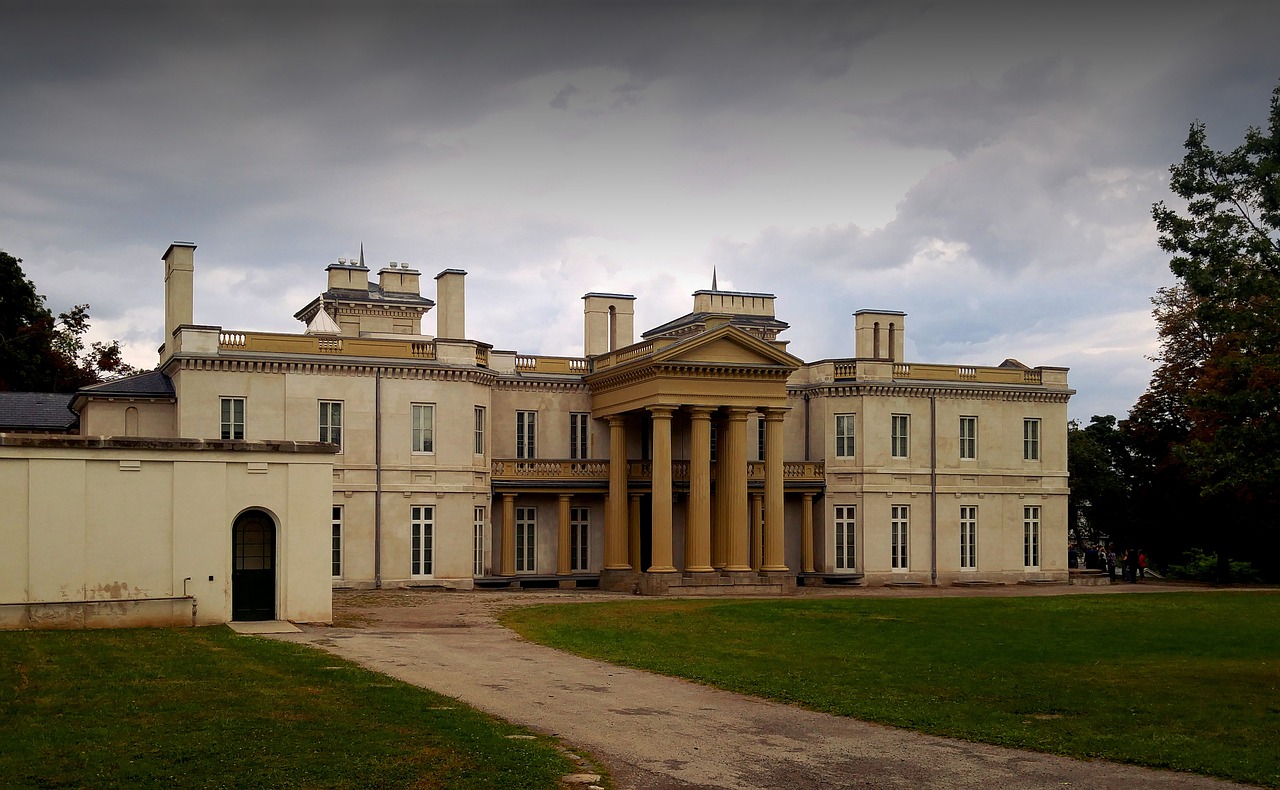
x,y
1216,395
41,353
1099,463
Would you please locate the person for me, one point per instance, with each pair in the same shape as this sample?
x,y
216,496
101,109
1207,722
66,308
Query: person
x,y
1142,565
1111,563
1091,558
1071,556
1130,565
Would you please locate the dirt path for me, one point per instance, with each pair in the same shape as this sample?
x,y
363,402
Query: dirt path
x,y
658,732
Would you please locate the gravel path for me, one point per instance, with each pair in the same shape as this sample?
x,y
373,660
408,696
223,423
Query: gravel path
x,y
657,732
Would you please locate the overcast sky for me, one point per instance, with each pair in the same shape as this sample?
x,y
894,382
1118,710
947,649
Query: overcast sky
x,y
988,168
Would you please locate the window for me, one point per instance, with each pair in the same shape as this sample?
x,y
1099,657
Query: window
x,y
478,521
421,554
424,417
526,537
760,429
901,435
1031,536
968,438
899,526
479,431
335,544
526,434
844,436
233,418
845,523
331,422
579,528
968,537
579,448
1031,440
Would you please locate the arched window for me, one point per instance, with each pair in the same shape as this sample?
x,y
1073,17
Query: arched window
x,y
613,328
875,340
892,343
131,421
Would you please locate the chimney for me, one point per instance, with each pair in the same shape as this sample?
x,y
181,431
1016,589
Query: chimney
x,y
348,276
179,290
451,304
878,334
608,323
399,279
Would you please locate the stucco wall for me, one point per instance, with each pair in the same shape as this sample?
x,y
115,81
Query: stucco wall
x,y
112,531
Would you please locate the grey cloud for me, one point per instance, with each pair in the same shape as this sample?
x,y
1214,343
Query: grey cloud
x,y
561,100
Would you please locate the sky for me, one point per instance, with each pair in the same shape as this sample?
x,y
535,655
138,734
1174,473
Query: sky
x,y
986,168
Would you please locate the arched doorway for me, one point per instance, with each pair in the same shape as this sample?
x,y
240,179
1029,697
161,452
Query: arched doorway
x,y
253,569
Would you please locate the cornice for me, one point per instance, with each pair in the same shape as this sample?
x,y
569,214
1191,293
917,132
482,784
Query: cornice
x,y
915,390
392,370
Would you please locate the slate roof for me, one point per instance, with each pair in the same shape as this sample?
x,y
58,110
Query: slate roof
x,y
37,411
691,319
152,384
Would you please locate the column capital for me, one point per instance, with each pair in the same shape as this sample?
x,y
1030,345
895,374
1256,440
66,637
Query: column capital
x,y
508,497
700,412
775,413
565,497
661,412
616,420
738,413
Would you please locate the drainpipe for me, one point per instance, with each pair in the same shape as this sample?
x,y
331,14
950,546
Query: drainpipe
x,y
806,426
933,490
377,478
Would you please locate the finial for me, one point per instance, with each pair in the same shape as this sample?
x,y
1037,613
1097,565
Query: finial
x,y
362,254
713,279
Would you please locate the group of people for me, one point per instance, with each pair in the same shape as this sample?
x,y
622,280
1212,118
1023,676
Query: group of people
x,y
1132,562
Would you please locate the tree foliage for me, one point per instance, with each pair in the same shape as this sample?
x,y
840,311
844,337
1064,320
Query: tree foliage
x,y
43,353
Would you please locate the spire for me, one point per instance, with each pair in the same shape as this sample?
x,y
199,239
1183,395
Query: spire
x,y
362,255
713,279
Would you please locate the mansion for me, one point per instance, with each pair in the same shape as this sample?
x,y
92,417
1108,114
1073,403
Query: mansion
x,y
698,457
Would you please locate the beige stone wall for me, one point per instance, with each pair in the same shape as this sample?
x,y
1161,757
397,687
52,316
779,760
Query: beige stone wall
x,y
109,532
109,417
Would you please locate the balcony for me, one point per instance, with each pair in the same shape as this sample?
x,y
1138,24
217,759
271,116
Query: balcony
x,y
551,470
882,370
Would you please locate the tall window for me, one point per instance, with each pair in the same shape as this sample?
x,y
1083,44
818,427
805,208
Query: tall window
x,y
526,538
424,417
845,522
579,449
479,431
478,522
760,438
968,537
331,422
233,418
901,435
899,525
421,554
579,528
526,434
844,436
335,544
1031,536
1031,440
968,438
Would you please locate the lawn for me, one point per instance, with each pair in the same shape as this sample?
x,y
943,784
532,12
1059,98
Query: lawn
x,y
205,708
1189,681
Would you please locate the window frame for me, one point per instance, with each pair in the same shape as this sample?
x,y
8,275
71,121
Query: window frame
x,y
845,528
526,435
900,436
1031,537
227,418
900,538
336,543
968,439
968,537
478,433
417,430
422,541
526,539
328,426
846,440
1031,438
579,539
477,521
579,435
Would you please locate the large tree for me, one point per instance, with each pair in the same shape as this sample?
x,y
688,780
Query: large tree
x,y
43,353
1215,398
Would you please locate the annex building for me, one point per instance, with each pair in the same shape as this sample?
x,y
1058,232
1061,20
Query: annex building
x,y
700,455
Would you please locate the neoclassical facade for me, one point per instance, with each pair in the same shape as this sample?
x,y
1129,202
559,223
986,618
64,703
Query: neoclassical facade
x,y
701,458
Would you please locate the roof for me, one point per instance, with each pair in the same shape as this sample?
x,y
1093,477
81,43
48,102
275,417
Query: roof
x,y
694,319
152,384
36,411
373,295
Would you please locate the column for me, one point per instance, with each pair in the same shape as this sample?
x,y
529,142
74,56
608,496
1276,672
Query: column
x,y
615,533
633,530
733,471
507,567
562,540
719,501
775,547
806,534
757,532
697,529
660,523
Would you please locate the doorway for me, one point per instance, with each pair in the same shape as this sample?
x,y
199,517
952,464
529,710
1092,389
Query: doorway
x,y
253,570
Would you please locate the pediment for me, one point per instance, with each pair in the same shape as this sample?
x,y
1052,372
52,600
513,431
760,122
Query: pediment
x,y
726,345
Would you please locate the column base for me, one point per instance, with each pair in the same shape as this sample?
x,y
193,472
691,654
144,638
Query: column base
x,y
619,580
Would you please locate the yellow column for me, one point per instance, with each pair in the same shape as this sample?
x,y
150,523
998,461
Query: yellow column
x,y
615,534
806,534
660,522
562,539
633,530
757,532
733,471
697,529
775,557
508,564
719,501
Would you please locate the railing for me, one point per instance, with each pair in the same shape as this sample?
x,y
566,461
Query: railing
x,y
799,471
598,470
314,344
848,369
575,365
629,353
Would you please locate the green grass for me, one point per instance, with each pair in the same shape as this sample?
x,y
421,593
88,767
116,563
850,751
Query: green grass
x,y
205,708
1189,681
